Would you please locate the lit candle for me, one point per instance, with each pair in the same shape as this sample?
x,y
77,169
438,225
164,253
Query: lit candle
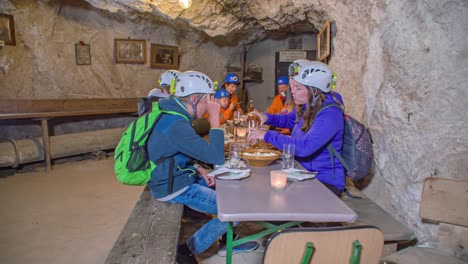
x,y
242,132
278,179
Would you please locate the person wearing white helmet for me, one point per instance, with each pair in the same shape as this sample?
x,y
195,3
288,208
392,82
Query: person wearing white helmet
x,y
311,129
165,80
175,147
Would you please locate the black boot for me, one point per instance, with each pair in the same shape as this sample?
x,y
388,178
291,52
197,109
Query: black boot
x,y
185,256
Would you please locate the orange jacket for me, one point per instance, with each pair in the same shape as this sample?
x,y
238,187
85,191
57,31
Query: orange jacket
x,y
277,106
224,114
234,99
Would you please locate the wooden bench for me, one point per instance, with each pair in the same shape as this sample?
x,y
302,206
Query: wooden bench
x,y
151,234
444,201
369,213
45,109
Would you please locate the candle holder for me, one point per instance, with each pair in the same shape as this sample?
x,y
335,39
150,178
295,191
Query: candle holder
x,y
278,179
241,132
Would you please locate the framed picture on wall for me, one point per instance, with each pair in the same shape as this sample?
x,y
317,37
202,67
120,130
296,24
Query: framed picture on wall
x,y
82,54
164,57
323,42
130,51
7,29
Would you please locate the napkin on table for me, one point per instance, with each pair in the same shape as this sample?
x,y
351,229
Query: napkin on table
x,y
300,175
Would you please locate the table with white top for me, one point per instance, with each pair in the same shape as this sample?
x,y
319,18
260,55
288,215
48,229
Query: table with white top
x,y
253,199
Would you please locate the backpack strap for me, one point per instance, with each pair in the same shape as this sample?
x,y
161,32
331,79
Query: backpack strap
x,y
170,180
331,149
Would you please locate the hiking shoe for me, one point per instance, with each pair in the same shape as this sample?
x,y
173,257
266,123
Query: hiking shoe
x,y
242,248
185,256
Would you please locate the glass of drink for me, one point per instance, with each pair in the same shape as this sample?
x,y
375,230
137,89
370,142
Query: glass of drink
x,y
288,156
234,156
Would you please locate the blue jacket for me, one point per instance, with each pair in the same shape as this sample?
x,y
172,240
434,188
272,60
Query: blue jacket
x,y
311,146
174,137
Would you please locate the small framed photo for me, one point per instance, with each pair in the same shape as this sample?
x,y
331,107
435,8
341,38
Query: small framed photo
x,y
164,56
130,51
7,29
323,42
83,54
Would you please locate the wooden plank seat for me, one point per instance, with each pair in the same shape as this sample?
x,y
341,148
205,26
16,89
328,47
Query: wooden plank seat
x,y
150,235
444,201
369,213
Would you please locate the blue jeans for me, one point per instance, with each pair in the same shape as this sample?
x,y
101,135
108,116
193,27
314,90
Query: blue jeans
x,y
201,198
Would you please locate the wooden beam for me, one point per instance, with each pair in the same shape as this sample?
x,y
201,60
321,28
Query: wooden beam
x,y
46,142
47,108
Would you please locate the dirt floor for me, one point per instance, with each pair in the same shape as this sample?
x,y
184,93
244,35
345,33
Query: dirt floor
x,y
73,215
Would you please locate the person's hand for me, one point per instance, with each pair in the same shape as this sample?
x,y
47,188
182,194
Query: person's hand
x,y
260,115
210,180
256,134
232,106
213,108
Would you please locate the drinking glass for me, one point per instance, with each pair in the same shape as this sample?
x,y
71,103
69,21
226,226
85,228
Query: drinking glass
x,y
234,156
237,115
288,156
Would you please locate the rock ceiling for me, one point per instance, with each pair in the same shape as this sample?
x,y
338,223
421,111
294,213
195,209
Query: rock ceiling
x,y
226,21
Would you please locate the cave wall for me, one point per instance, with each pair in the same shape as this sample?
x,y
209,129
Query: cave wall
x,y
42,64
416,100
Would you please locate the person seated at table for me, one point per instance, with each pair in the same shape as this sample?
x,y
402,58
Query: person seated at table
x,y
311,83
165,79
282,103
174,147
230,84
226,109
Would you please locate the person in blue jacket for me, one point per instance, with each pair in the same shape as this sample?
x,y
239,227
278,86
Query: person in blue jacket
x,y
174,147
311,83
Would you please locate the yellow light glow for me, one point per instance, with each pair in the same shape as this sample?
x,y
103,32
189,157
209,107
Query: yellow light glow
x,y
185,3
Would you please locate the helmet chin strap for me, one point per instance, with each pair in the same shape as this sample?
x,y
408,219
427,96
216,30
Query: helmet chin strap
x,y
314,97
194,106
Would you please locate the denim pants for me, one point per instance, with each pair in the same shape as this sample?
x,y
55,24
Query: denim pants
x,y
201,198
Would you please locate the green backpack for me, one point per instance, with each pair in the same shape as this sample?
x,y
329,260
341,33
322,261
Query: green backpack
x,y
132,165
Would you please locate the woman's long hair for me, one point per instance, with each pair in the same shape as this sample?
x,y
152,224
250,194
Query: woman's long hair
x,y
308,114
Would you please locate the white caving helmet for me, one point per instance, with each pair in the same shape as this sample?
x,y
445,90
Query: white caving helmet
x,y
193,82
311,73
166,77
156,92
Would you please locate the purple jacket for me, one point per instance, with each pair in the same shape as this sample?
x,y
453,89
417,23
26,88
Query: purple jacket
x,y
311,146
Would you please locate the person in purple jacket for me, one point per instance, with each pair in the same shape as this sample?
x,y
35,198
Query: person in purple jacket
x,y
311,83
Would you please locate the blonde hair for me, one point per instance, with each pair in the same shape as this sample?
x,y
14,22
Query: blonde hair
x,y
308,115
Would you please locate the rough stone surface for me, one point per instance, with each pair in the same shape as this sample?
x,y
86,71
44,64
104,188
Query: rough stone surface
x,y
401,66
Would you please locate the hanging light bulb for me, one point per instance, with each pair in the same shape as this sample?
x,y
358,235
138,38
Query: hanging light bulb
x,y
185,3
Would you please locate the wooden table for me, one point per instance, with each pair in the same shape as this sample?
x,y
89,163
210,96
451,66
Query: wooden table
x,y
45,109
252,199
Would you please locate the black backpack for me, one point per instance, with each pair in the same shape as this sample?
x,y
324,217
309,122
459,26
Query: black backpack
x,y
357,154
